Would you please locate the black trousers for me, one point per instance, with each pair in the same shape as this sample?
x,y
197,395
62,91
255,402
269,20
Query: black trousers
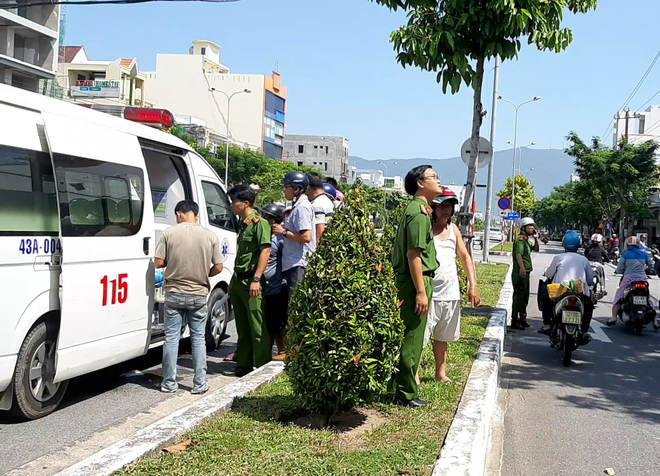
x,y
547,307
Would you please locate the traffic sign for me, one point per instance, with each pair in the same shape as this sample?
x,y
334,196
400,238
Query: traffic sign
x,y
604,217
513,216
485,152
601,226
503,213
608,225
504,203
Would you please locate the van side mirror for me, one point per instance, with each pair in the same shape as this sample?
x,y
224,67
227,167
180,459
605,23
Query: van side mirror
x,y
234,222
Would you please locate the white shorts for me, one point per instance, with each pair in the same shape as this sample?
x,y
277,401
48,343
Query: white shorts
x,y
443,322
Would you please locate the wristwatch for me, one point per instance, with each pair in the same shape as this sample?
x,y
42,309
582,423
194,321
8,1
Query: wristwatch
x,y
256,279
286,232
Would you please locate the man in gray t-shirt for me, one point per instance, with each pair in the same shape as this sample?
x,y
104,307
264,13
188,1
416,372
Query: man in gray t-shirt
x,y
299,231
190,255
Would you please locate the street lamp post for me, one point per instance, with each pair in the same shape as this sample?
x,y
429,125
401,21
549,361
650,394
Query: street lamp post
x,y
519,152
213,90
515,145
384,187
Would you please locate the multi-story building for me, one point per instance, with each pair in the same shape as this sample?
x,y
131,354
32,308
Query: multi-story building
x,y
28,44
117,82
638,127
373,178
326,153
197,84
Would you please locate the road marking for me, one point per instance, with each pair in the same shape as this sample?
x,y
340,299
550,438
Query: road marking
x,y
598,333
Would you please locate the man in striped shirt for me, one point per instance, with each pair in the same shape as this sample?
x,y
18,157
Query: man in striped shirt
x,y
322,205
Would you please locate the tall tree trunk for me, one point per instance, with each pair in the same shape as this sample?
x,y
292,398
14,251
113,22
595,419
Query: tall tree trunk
x,y
466,216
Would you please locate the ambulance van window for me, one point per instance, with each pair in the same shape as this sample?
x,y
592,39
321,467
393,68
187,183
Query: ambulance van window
x,y
217,206
99,198
27,193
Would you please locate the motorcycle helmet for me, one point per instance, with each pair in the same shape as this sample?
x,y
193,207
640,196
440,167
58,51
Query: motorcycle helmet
x,y
340,195
632,241
571,241
296,179
613,235
597,238
330,191
526,222
447,196
275,210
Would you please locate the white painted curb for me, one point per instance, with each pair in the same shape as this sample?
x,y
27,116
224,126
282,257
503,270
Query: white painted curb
x,y
167,430
500,253
469,438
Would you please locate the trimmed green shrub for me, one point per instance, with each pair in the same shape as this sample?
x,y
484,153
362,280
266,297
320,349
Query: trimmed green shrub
x,y
345,332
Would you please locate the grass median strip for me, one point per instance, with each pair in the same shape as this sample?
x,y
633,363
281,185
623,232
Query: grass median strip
x,y
508,246
265,433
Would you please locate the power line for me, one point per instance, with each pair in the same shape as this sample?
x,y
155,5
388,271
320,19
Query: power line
x,y
40,3
649,101
635,90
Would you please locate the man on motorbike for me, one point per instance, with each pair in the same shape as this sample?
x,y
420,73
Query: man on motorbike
x,y
614,242
632,265
565,267
596,254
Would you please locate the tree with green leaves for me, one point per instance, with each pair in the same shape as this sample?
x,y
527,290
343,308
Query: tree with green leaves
x,y
620,178
454,38
524,198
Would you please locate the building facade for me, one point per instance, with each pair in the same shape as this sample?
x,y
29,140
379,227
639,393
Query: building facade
x,y
117,82
29,39
328,154
638,127
197,84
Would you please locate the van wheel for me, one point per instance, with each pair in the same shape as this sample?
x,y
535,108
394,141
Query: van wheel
x,y
35,393
216,323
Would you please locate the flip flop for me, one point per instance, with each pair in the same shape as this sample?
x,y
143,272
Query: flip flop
x,y
451,382
231,357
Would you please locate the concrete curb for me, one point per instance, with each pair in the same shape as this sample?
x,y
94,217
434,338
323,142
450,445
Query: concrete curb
x,y
169,429
500,253
469,438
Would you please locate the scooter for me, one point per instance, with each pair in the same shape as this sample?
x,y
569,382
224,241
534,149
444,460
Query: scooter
x,y
614,255
545,239
566,332
598,291
636,311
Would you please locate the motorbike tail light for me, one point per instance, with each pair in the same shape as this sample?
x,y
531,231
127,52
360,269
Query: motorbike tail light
x,y
637,286
573,301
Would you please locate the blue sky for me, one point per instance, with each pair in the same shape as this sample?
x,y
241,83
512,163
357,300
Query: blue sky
x,y
342,77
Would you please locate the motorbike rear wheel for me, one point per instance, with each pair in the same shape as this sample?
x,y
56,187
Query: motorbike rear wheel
x,y
638,329
568,349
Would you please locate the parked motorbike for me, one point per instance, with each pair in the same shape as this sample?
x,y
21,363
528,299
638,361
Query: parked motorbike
x,y
636,311
598,290
545,239
566,332
655,255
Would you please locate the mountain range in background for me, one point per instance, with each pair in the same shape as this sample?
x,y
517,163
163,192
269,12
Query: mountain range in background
x,y
551,167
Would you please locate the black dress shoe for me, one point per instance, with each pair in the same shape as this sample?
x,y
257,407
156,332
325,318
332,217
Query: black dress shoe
x,y
585,338
517,327
416,403
237,372
526,324
545,332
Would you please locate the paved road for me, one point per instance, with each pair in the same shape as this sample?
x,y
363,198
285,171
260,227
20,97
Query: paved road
x,y
103,401
601,412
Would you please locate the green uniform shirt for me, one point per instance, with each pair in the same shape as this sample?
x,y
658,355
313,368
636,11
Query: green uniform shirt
x,y
522,247
414,232
253,234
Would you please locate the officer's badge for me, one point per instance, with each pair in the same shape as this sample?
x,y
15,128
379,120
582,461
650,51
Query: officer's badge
x,y
247,221
426,210
255,220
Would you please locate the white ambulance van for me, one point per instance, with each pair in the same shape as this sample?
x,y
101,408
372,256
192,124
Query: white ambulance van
x,y
84,198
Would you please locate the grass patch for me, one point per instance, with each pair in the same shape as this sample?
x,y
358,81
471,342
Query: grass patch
x,y
256,438
508,246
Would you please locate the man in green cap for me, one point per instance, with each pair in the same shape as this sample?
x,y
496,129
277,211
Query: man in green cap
x,y
527,241
253,347
414,263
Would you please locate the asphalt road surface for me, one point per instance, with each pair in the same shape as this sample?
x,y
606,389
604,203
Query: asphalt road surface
x,y
601,412
103,401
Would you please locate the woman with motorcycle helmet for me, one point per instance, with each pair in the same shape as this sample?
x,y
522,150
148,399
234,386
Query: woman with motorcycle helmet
x,y
569,266
632,265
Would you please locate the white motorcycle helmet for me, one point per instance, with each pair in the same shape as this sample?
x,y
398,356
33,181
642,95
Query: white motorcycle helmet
x,y
526,222
597,238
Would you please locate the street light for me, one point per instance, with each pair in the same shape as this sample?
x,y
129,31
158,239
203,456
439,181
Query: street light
x,y
384,187
515,145
213,90
519,152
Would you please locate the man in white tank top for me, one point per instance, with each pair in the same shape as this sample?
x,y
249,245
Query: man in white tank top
x,y
444,319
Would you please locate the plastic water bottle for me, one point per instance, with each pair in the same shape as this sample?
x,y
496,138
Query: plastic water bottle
x,y
159,278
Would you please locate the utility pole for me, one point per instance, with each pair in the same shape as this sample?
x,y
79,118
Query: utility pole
x,y
627,120
491,165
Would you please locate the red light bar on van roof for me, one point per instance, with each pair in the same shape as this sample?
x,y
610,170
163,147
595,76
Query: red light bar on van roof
x,y
161,117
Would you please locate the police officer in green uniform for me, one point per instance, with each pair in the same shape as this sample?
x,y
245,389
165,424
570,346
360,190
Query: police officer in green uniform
x,y
527,241
414,263
253,347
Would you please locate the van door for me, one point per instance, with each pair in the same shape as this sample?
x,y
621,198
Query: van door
x,y
107,233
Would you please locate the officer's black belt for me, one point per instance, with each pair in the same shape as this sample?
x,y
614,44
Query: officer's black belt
x,y
428,273
244,275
